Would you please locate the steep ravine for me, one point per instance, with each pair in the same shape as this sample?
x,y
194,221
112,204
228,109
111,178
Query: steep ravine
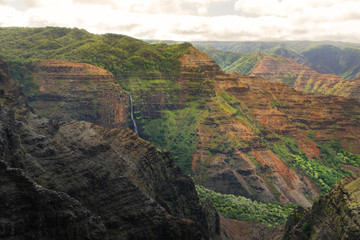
x,y
233,156
221,127
234,133
106,183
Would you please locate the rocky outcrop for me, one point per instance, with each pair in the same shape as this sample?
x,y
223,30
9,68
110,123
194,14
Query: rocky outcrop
x,y
286,111
29,211
303,78
232,229
79,91
106,179
333,216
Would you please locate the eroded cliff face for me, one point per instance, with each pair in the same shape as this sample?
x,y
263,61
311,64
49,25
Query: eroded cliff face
x,y
303,78
29,211
106,183
241,230
79,91
230,156
333,216
246,116
223,128
289,112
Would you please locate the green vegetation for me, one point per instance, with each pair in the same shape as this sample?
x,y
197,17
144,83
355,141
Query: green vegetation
x,y
325,174
281,59
220,99
150,71
241,208
147,70
123,56
22,72
341,61
222,58
274,104
176,132
235,62
335,156
245,64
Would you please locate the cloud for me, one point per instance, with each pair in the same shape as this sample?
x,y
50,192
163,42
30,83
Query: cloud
x,y
325,9
21,4
191,19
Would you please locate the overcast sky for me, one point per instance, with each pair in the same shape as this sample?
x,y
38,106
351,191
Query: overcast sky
x,y
186,20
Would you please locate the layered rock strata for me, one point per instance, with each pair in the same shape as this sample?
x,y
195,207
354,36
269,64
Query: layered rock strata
x,y
108,180
232,157
238,119
79,91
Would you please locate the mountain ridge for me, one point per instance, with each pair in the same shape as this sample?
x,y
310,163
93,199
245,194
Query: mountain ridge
x,y
279,69
326,57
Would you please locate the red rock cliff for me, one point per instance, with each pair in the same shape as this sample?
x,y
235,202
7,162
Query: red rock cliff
x,y
231,156
79,91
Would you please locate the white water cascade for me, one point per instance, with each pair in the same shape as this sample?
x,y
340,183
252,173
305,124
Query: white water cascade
x,y
132,114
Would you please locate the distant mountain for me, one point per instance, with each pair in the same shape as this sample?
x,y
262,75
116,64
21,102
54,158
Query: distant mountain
x,y
280,69
339,58
344,62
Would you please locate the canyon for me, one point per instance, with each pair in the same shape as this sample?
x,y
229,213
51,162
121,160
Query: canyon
x,y
77,180
232,133
228,153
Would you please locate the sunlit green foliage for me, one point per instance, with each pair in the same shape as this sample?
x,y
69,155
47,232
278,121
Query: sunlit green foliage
x,y
121,55
335,155
176,132
241,208
325,173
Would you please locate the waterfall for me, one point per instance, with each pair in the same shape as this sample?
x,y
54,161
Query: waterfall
x,y
132,114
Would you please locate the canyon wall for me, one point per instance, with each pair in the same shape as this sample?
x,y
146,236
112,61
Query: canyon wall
x,y
97,183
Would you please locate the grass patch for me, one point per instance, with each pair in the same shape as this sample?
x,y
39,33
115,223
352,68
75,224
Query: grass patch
x,y
241,208
325,174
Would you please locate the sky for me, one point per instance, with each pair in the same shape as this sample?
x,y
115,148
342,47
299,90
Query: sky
x,y
191,20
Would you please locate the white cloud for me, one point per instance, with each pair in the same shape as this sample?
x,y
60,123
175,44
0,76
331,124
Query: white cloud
x,y
11,17
189,19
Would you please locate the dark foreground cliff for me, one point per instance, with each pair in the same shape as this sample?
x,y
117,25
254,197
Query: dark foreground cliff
x,y
77,180
29,211
335,215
